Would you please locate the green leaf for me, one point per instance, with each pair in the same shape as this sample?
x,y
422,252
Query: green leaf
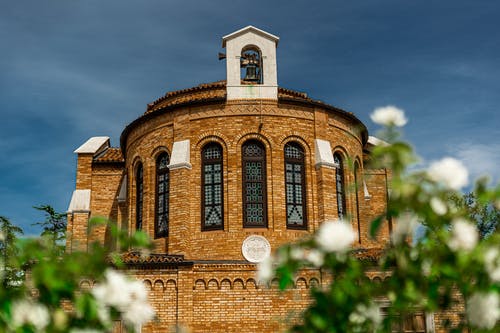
x,y
375,226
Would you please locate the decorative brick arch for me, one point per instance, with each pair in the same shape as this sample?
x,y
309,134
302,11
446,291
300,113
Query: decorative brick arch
x,y
313,282
200,284
262,137
213,284
251,284
86,284
295,137
214,136
225,284
342,151
157,151
159,285
238,284
301,283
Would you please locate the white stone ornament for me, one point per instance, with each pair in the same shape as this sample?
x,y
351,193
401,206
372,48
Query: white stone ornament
x,y
256,248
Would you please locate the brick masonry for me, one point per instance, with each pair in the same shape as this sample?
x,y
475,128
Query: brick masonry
x,y
215,290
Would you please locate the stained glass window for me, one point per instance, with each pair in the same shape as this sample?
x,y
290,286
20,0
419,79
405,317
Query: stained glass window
x,y
162,195
254,184
356,191
212,211
295,186
139,197
339,182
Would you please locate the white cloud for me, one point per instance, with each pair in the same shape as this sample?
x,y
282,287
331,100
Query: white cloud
x,y
479,158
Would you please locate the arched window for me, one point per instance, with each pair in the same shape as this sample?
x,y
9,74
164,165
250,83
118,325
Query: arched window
x,y
162,194
139,197
295,186
339,183
356,190
254,184
212,211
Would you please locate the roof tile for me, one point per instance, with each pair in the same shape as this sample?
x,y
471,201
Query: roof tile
x,y
110,155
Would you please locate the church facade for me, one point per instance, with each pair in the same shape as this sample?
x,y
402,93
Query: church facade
x,y
218,176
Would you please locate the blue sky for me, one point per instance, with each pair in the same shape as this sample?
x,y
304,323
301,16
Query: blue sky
x,y
70,70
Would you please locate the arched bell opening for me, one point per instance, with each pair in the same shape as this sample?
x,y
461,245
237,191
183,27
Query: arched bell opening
x,y
251,65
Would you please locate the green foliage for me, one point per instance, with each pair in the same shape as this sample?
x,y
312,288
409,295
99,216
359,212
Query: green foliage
x,y
449,265
53,282
11,276
54,224
482,212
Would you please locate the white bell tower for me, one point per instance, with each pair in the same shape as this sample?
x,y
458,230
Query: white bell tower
x,y
251,64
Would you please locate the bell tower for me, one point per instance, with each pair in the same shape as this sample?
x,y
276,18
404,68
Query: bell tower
x,y
251,64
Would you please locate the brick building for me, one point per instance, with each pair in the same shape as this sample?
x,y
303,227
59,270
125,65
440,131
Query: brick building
x,y
221,174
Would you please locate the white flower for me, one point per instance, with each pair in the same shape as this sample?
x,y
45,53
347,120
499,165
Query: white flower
x,y
297,253
464,235
405,226
483,310
137,291
315,257
450,172
103,313
426,267
438,206
265,270
335,236
389,115
2,236
138,313
113,291
364,313
127,296
27,312
373,314
492,263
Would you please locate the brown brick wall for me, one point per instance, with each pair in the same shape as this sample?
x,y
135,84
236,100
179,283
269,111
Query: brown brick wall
x,y
223,298
214,297
231,124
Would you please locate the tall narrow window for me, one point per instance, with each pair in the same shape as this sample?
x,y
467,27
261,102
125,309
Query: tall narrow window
x,y
138,197
162,194
356,190
212,215
295,186
254,184
339,182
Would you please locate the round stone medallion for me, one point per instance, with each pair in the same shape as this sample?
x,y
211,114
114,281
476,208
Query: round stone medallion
x,y
256,248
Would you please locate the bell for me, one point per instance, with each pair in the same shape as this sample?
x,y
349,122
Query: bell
x,y
251,74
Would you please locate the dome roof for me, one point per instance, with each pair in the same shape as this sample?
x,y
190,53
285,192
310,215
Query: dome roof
x,y
215,92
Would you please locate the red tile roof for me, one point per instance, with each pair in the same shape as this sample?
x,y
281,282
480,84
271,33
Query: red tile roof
x,y
215,92
369,254
136,258
110,155
210,90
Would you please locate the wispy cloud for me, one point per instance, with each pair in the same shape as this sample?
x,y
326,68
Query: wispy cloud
x,y
481,159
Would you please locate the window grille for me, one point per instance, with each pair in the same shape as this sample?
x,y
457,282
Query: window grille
x,y
254,184
339,183
162,195
212,205
139,197
295,186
